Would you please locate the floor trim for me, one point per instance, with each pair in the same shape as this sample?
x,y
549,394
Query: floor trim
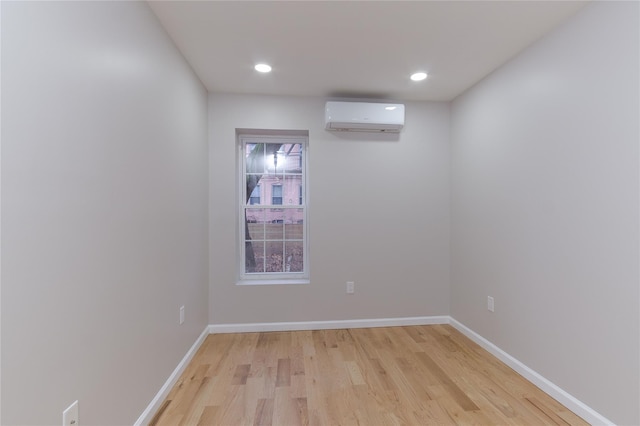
x,y
326,325
147,415
551,389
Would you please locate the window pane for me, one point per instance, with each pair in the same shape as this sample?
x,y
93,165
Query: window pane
x,y
291,189
254,256
293,224
255,224
274,256
276,194
275,160
254,154
291,157
294,256
274,228
254,198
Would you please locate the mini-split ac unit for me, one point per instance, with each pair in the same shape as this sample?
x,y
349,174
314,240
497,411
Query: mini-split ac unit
x,y
364,117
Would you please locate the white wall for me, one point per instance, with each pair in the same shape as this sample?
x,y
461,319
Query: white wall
x,y
104,210
379,216
545,208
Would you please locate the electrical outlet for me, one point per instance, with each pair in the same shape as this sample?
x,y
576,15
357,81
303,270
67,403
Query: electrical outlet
x,y
70,415
490,303
181,314
350,287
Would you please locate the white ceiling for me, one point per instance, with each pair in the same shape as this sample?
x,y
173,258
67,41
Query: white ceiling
x,y
364,49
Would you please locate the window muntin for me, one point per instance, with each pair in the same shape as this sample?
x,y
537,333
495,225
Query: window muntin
x,y
273,218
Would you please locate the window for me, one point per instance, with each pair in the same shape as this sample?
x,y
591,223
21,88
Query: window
x,y
276,194
255,195
273,209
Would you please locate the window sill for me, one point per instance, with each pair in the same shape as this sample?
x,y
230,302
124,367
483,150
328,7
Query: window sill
x,y
273,282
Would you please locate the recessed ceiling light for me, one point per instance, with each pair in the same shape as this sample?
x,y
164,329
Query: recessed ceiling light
x,y
263,68
418,76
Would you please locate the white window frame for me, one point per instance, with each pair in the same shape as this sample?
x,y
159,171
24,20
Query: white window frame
x,y
257,278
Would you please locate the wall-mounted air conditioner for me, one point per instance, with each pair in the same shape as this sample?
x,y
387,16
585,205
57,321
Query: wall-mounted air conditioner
x,y
364,117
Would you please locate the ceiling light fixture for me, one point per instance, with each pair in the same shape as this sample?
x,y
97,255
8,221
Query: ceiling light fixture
x,y
419,76
263,68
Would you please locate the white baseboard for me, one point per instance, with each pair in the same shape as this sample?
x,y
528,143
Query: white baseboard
x,y
326,325
146,417
563,397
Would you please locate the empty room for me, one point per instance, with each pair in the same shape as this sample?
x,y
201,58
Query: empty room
x,y
320,212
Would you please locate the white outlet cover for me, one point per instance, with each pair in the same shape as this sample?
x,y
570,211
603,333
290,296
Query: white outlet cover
x,y
70,415
350,287
490,305
181,315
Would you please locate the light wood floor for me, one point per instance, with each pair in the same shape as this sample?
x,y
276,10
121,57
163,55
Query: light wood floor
x,y
420,375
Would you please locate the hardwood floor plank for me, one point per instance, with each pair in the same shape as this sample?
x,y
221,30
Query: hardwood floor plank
x,y
208,416
547,411
236,409
381,375
160,412
283,373
297,360
415,333
298,388
413,377
194,411
264,413
456,393
302,410
241,374
418,375
354,373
